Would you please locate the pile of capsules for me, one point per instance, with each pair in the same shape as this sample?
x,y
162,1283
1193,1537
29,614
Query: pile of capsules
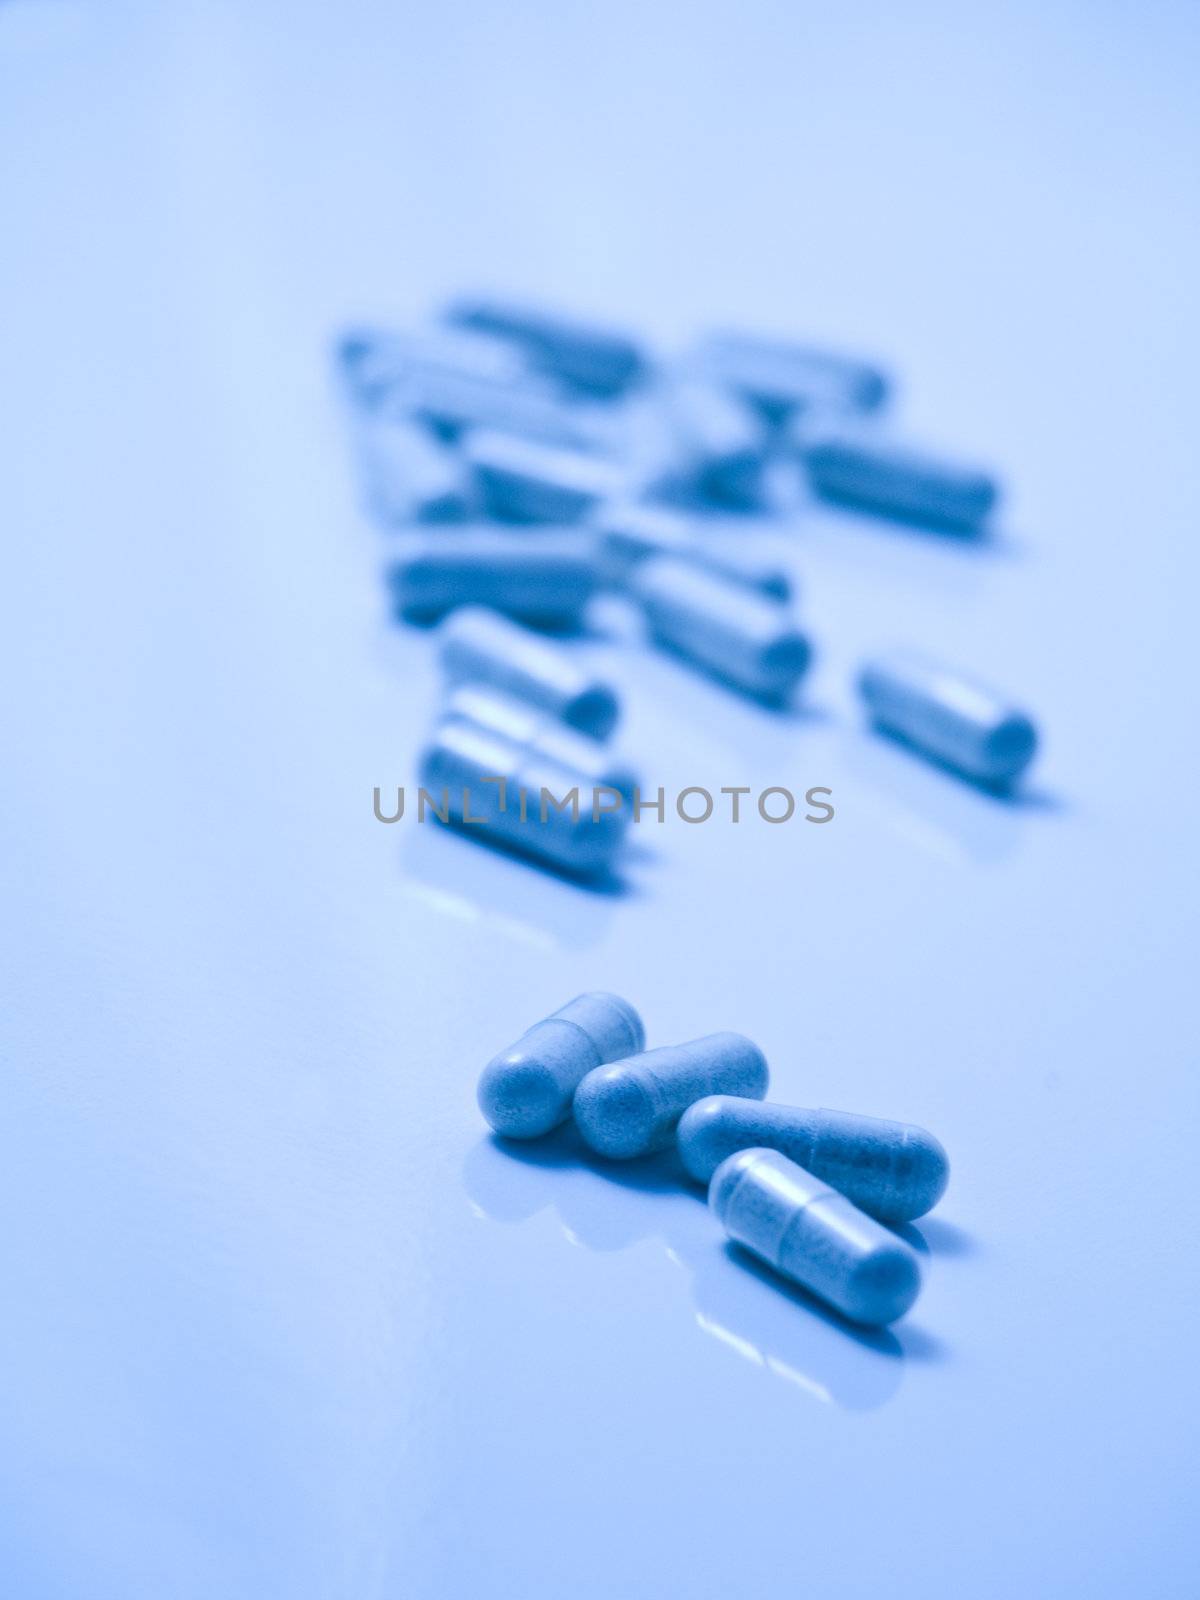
x,y
806,1191
532,462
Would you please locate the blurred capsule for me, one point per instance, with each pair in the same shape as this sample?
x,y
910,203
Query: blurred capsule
x,y
528,480
814,1236
744,638
948,717
720,446
631,1108
409,477
780,378
519,796
547,581
531,727
577,354
479,646
861,469
526,1090
376,363
631,533
890,1170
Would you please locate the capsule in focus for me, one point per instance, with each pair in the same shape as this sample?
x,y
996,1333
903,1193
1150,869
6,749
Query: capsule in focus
x,y
746,639
891,1170
532,727
632,532
479,646
876,474
527,1089
520,796
527,480
633,1107
546,581
781,378
814,1236
578,354
949,718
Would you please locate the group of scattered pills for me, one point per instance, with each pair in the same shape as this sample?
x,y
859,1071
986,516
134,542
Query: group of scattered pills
x,y
536,462
806,1191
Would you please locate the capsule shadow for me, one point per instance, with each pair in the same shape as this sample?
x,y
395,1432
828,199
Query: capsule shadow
x,y
937,1237
609,1206
947,819
605,883
456,880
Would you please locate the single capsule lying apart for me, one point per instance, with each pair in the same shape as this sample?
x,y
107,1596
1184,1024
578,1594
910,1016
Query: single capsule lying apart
x,y
632,1108
890,1170
721,448
527,1089
746,639
950,718
520,796
548,580
861,469
814,1236
578,354
527,480
409,476
631,533
480,646
538,730
781,378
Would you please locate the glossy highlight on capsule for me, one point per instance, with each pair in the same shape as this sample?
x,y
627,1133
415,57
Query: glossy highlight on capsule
x,y
527,1090
745,639
814,1236
948,717
520,796
891,1170
476,645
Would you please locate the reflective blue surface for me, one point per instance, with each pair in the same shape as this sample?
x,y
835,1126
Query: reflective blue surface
x,y
280,1318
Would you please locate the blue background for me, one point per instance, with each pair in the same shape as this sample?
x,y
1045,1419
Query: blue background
x,y
278,1319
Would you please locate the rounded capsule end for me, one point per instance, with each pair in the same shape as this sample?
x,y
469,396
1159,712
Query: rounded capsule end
x,y
615,1113
1011,746
595,711
884,1285
701,1145
928,1173
519,1096
727,1179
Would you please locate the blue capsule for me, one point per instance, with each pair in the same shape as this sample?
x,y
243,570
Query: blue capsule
x,y
633,532
579,355
950,718
746,639
890,1170
632,1107
814,1236
547,581
864,470
527,1089
520,796
480,646
409,477
721,449
527,480
539,730
378,365
781,378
